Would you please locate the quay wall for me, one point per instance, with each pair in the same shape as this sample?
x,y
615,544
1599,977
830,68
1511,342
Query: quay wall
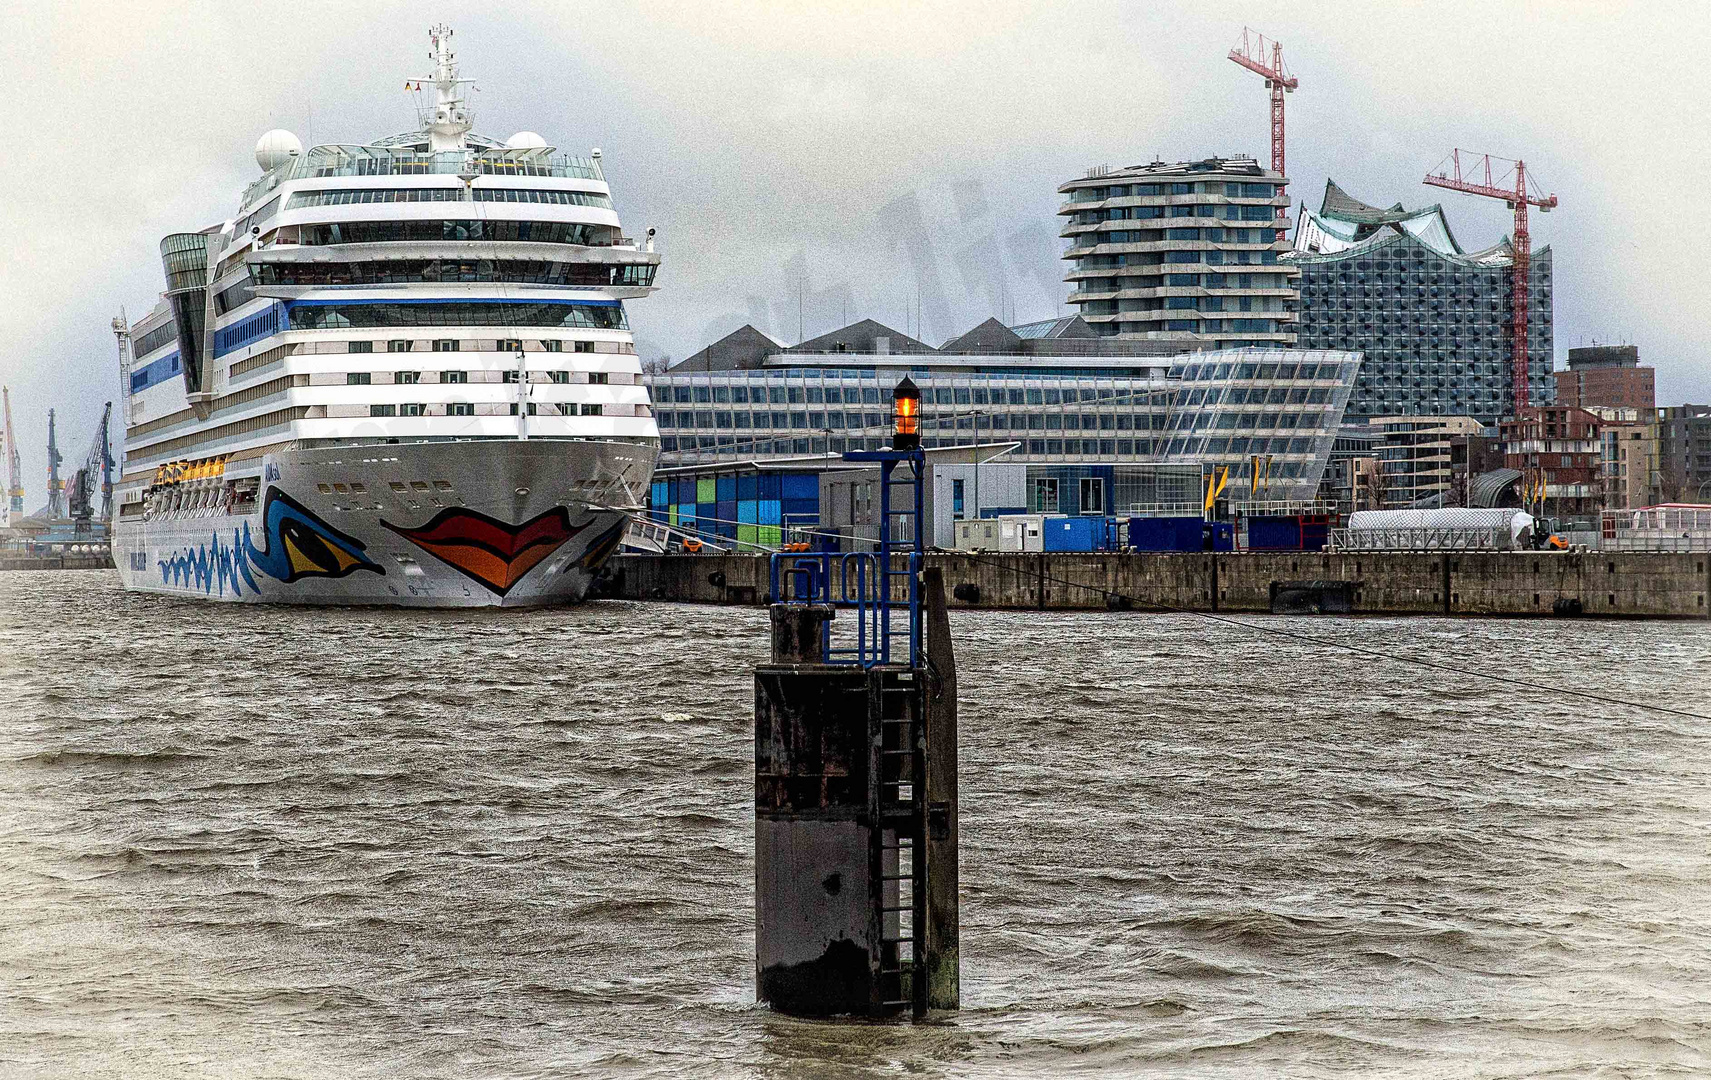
x,y
1626,584
103,561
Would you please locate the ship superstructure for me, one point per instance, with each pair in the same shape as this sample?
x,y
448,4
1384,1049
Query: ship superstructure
x,y
400,373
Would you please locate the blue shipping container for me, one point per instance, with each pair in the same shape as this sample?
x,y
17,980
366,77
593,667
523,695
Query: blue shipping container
x,y
726,489
1288,532
1072,533
727,511
798,486
1166,534
770,512
748,487
770,486
748,511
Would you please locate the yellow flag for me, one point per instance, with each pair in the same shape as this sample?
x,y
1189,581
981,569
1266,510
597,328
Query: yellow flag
x,y
1215,485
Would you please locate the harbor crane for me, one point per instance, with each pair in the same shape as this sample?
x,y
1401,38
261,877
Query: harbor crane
x,y
56,486
1500,178
1263,56
14,464
97,467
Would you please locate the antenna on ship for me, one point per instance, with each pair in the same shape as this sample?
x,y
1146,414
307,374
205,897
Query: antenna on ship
x,y
451,110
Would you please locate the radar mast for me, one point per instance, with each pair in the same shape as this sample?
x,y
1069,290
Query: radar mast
x,y
451,120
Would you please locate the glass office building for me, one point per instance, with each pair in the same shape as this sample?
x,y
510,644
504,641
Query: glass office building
x,y
1276,409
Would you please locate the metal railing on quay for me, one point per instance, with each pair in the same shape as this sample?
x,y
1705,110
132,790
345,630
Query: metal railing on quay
x,y
1655,544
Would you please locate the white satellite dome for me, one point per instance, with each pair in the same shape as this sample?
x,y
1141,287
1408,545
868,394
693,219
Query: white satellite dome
x,y
276,148
525,140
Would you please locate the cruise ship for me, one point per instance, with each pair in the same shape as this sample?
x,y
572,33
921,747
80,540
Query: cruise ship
x,y
401,373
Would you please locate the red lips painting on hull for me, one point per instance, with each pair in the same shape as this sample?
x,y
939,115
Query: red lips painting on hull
x,y
490,551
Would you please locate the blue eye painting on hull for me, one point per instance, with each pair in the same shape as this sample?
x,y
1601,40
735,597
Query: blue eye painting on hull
x,y
300,544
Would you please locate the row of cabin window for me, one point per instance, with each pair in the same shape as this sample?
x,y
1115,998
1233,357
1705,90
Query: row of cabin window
x,y
366,378
464,408
456,345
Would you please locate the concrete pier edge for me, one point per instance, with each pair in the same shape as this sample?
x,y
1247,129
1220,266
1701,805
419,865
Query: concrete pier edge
x,y
1519,584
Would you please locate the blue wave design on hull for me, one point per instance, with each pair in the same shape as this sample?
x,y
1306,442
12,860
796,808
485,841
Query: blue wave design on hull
x,y
299,545
212,566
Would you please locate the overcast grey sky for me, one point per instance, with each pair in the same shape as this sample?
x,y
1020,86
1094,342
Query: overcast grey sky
x,y
856,152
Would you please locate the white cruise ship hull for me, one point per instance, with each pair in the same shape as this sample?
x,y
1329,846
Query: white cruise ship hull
x,y
495,523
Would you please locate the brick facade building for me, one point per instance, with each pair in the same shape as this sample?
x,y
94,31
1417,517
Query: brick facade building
x,y
1563,445
1609,375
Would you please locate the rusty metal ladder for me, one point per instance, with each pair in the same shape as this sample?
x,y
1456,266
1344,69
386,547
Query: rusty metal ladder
x,y
902,816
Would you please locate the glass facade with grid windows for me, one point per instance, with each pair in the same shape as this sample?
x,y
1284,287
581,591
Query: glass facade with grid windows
x,y
1434,323
1221,408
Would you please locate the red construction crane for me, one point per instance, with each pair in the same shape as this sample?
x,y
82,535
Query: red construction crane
x,y
1263,56
1474,175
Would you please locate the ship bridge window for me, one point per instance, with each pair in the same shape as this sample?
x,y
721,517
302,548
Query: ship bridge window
x,y
327,316
456,229
154,339
407,271
232,297
352,196
554,198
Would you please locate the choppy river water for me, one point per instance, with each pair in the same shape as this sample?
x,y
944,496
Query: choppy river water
x,y
267,842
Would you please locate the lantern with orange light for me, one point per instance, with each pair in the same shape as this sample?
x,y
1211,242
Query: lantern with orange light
x,y
906,416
